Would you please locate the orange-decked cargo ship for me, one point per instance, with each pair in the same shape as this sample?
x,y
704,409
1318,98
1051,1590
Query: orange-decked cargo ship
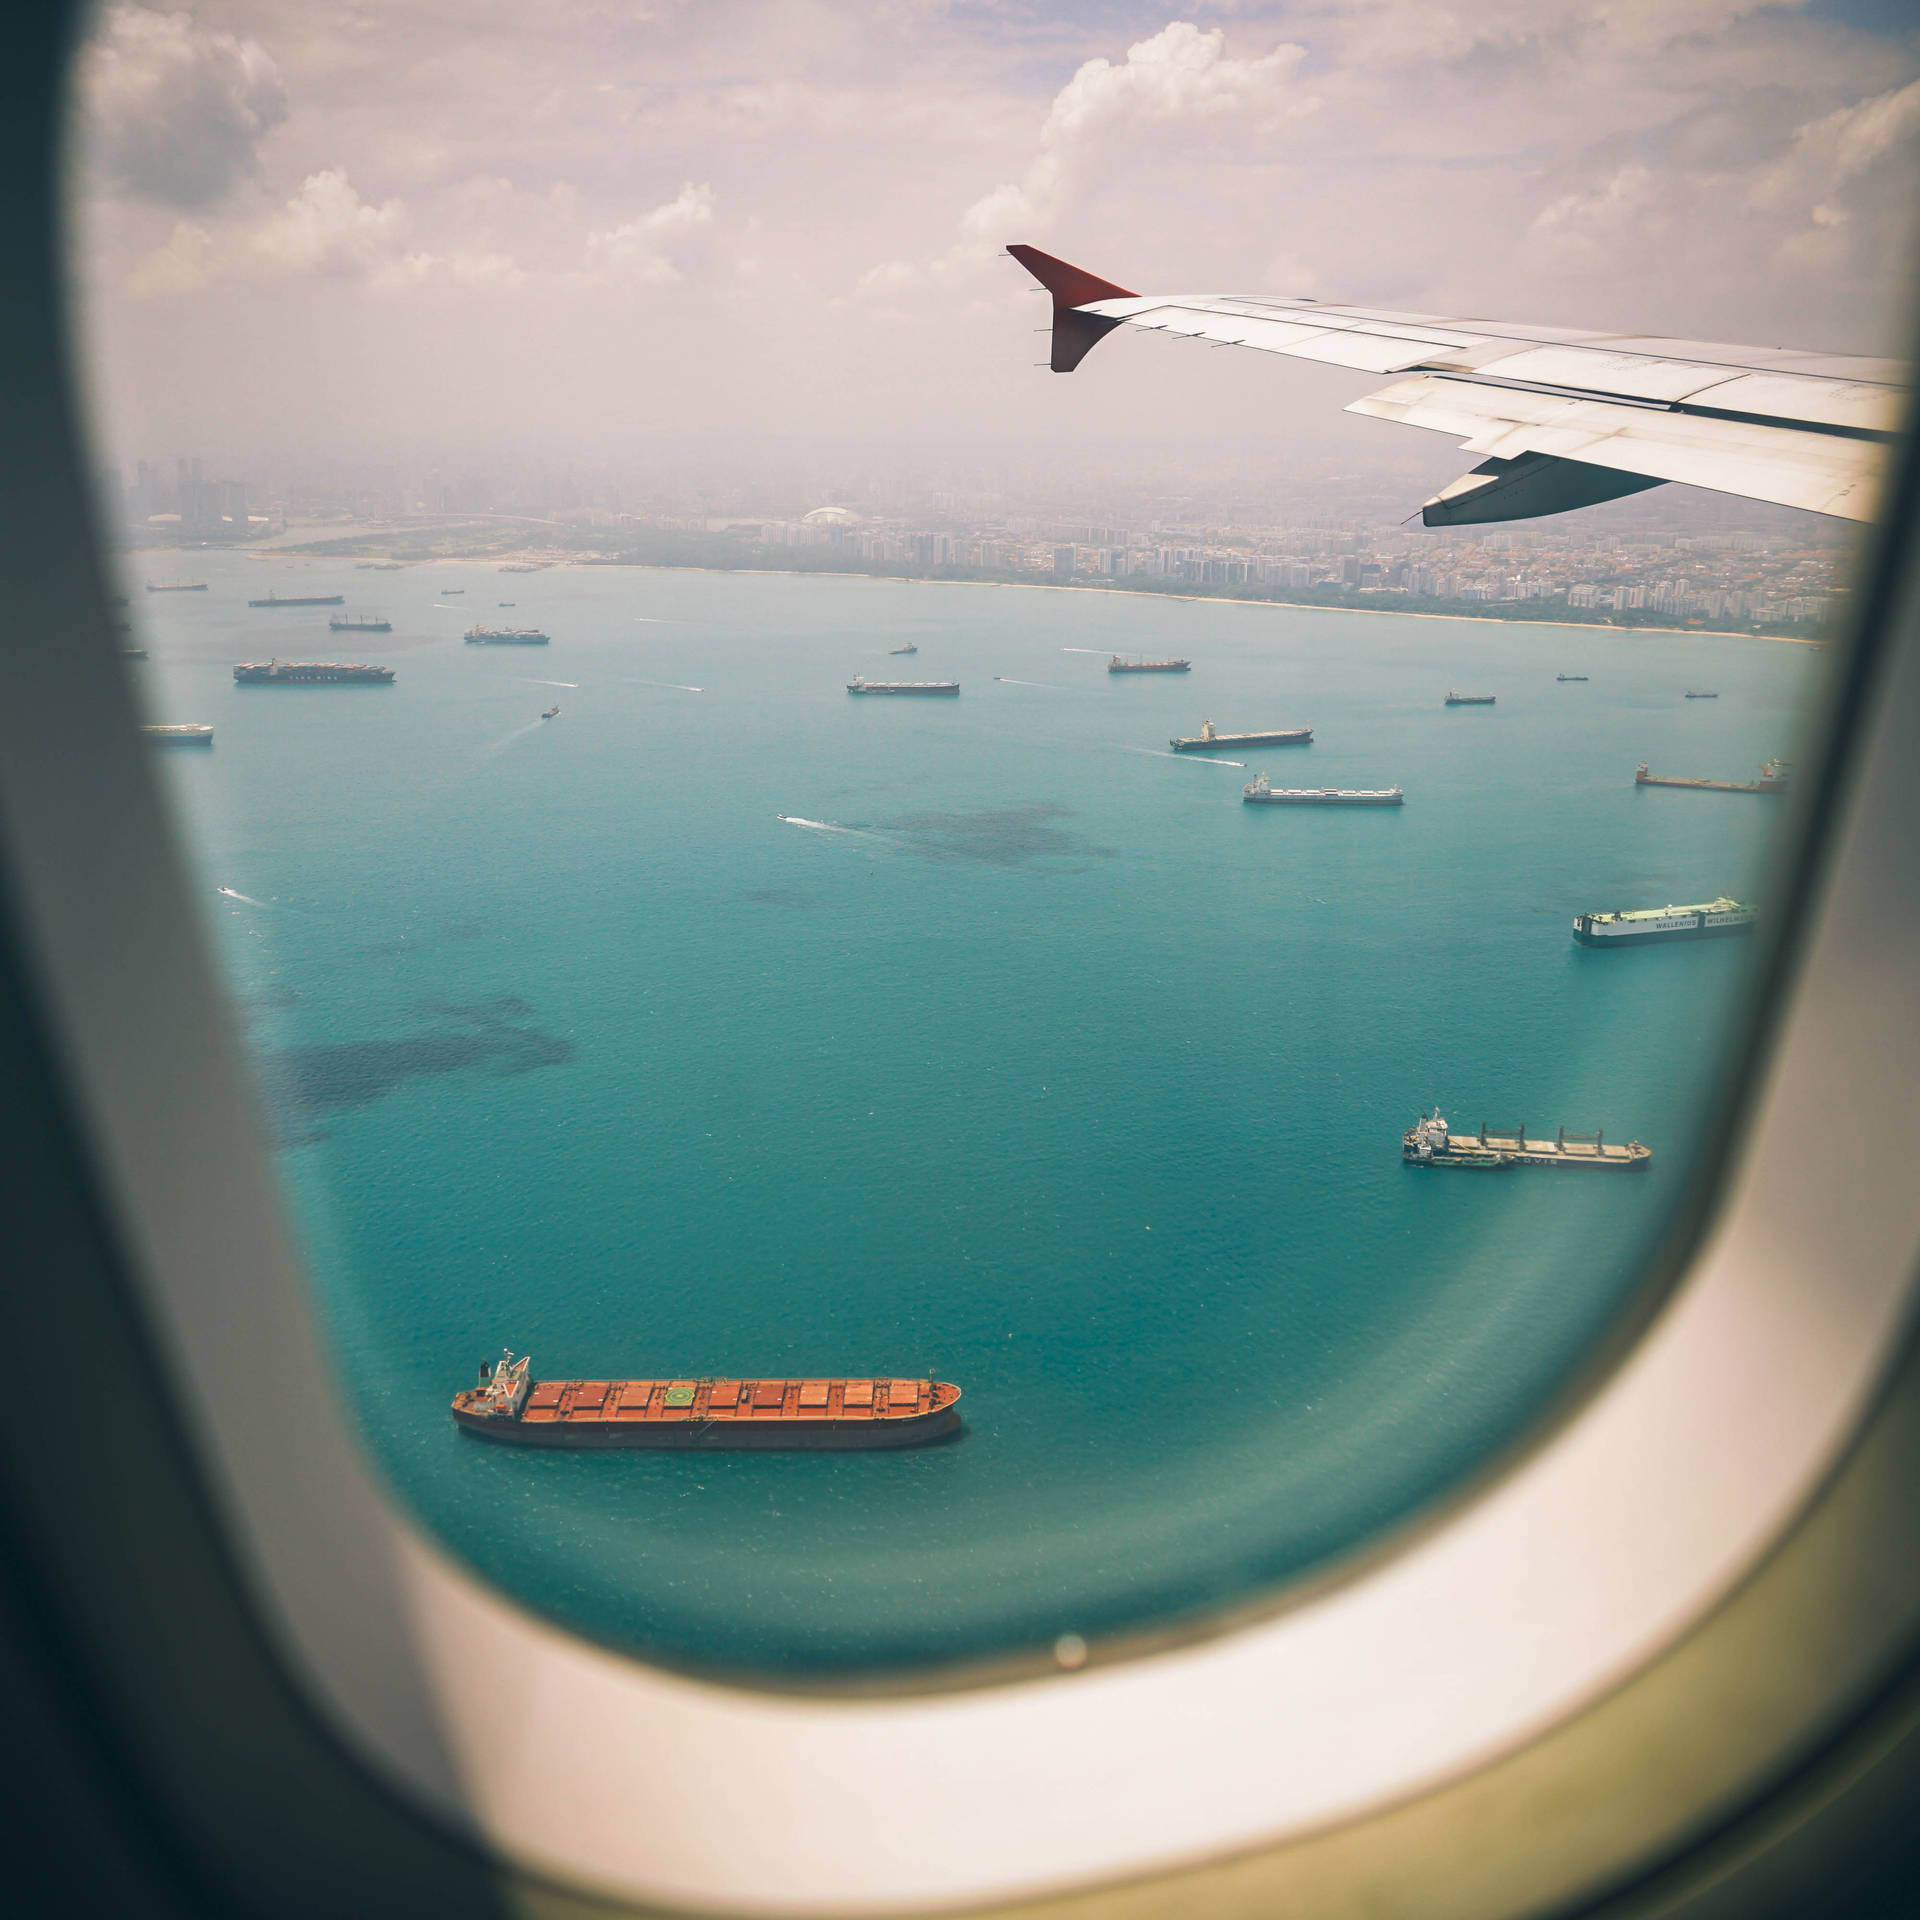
x,y
509,1405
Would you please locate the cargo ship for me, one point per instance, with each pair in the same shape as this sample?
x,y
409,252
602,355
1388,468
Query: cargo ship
x,y
910,647
301,600
1703,696
1257,792
1120,665
192,735
307,673
506,637
1633,927
1468,699
1773,779
701,1415
359,623
552,713
861,684
176,586
1208,737
1428,1143
1564,677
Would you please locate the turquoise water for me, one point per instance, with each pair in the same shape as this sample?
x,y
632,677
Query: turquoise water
x,y
1039,1062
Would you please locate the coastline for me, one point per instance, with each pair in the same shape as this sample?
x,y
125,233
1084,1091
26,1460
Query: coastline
x,y
1057,586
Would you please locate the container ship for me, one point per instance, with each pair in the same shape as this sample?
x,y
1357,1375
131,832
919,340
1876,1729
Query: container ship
x,y
1120,665
1468,699
704,1414
1208,737
301,600
306,673
359,623
1773,779
861,684
1638,926
191,735
1257,793
506,637
1428,1143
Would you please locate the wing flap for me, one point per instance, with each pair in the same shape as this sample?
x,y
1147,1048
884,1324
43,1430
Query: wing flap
x,y
1822,472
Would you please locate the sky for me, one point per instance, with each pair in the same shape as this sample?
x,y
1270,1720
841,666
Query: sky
x,y
375,226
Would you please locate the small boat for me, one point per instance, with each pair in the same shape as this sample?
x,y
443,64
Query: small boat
x,y
1702,696
451,591
552,713
1569,676
908,648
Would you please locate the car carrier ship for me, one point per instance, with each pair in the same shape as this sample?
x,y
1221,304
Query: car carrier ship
x,y
508,1404
1638,926
861,684
308,673
507,637
1209,737
1428,1143
1120,664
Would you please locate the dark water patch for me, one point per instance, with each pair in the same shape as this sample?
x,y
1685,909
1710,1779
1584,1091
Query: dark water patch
x,y
779,897
300,1083
993,836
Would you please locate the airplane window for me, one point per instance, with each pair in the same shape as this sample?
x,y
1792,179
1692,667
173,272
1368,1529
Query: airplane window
x,y
778,859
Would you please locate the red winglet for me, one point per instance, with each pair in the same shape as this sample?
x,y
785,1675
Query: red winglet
x,y
1070,286
1075,334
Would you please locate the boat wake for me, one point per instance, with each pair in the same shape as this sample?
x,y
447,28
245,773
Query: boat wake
x,y
519,733
671,686
1007,681
816,826
528,680
1160,753
1105,650
233,893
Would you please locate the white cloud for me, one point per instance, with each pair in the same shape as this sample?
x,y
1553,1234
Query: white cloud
x,y
174,112
637,251
1179,76
326,228
1605,222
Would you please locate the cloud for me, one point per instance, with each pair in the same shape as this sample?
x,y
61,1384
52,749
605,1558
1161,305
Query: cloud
x,y
636,252
1605,222
1178,76
325,231
174,112
326,228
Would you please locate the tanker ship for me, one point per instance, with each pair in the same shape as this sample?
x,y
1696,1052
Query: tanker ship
x,y
508,1404
1638,926
1468,700
301,600
1208,737
306,673
1119,665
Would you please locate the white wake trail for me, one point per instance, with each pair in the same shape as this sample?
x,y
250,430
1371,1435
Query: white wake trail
x,y
1206,760
527,681
818,826
233,893
670,686
1106,650
1006,680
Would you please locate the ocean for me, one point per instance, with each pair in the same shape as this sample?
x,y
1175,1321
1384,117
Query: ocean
x,y
725,1024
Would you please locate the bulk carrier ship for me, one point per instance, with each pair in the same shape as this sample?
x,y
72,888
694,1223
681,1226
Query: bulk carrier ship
x,y
359,623
1634,927
704,1414
1428,1143
1208,737
301,600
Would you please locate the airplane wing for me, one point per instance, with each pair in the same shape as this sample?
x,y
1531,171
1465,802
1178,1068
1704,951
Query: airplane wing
x,y
1563,418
